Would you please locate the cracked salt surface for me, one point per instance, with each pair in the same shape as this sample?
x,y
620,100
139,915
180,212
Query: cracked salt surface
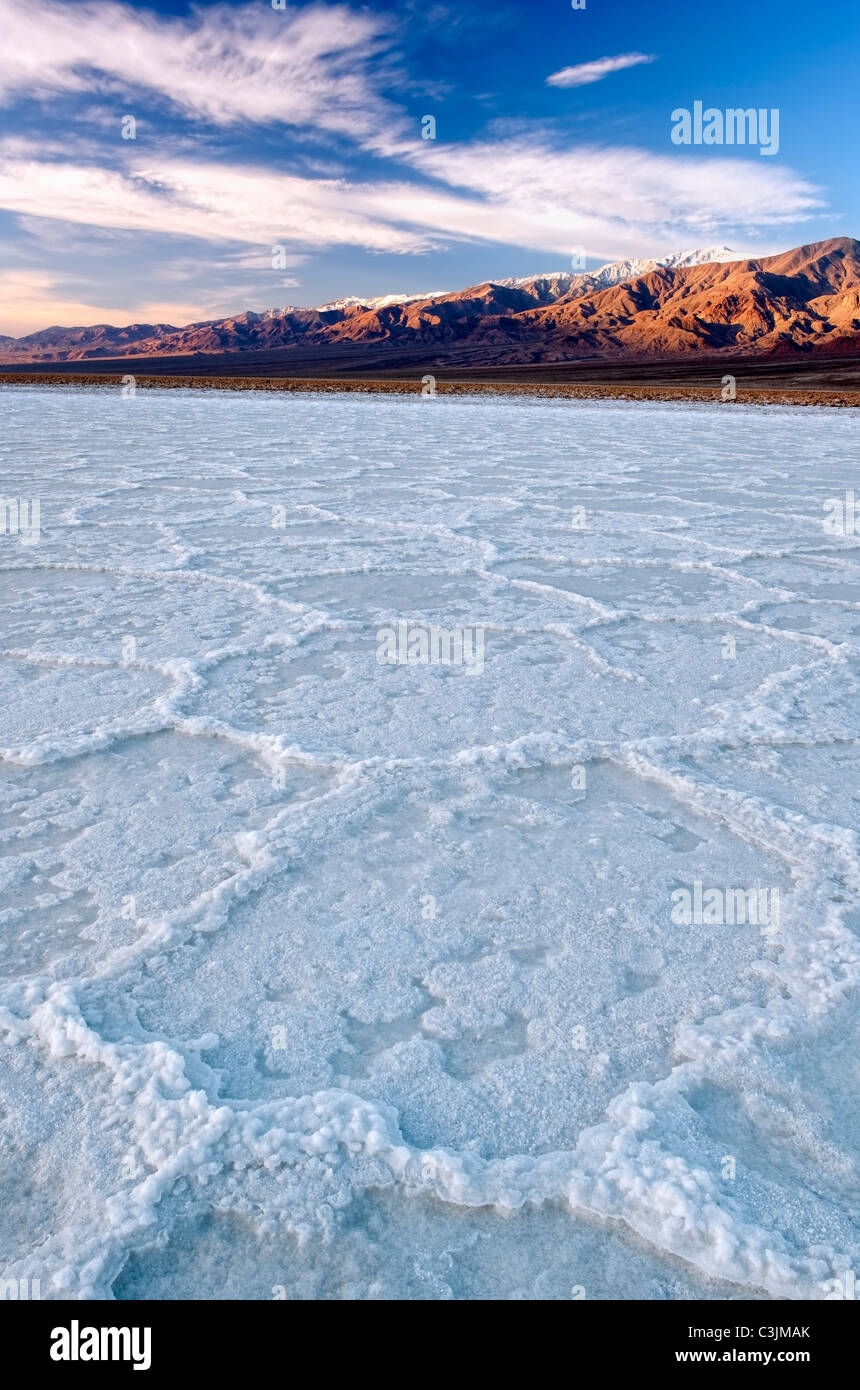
x,y
326,978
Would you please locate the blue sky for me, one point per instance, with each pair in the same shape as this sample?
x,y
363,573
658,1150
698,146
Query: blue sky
x,y
258,127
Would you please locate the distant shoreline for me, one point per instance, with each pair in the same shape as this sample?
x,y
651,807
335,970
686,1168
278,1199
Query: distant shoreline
x,y
370,386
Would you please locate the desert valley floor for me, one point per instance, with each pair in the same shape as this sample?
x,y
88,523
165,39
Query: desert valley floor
x,y
327,976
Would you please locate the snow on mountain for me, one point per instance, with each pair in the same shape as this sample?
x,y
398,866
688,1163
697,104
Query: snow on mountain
x,y
700,257
561,282
563,278
382,301
550,284
694,302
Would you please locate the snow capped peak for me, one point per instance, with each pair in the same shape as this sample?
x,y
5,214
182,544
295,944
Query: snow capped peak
x,y
700,257
548,285
382,301
616,272
515,282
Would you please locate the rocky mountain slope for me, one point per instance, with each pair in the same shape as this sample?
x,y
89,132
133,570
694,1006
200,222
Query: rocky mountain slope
x,y
801,301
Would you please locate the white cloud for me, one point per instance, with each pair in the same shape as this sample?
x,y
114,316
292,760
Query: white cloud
x,y
584,73
515,192
616,201
253,64
214,202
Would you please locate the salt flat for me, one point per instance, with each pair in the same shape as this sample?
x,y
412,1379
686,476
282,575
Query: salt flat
x,y
323,975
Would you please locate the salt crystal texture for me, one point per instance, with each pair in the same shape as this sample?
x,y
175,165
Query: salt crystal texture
x,y
326,977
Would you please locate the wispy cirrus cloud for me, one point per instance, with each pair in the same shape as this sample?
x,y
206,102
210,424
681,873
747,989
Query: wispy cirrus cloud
x,y
224,65
584,73
219,202
610,199
513,192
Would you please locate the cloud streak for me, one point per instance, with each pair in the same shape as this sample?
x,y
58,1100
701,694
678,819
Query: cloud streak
x,y
514,192
301,67
613,199
585,73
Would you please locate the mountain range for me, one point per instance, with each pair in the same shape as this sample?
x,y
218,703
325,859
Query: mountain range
x,y
692,302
